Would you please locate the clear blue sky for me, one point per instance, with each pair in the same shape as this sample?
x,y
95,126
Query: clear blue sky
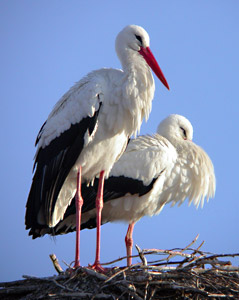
x,y
46,46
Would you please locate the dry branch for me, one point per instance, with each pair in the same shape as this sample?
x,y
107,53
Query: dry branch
x,y
56,264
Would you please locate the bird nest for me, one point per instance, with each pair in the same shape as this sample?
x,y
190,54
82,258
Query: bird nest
x,y
187,273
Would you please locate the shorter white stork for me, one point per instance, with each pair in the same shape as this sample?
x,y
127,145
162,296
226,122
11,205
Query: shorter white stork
x,y
87,131
153,171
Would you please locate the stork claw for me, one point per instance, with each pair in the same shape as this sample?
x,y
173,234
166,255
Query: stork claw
x,y
76,265
97,267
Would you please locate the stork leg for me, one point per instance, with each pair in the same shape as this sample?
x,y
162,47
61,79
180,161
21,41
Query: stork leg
x,y
79,203
99,207
129,243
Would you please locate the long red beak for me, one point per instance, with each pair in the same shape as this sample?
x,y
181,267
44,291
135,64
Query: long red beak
x,y
151,61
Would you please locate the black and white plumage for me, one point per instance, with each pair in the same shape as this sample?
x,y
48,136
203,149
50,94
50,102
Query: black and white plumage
x,y
88,130
153,171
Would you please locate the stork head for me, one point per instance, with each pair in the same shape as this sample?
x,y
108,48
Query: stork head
x,y
176,127
134,39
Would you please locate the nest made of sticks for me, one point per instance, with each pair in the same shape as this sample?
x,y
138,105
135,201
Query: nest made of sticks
x,y
186,273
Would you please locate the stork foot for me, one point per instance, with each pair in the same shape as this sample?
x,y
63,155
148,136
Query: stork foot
x,y
97,267
76,265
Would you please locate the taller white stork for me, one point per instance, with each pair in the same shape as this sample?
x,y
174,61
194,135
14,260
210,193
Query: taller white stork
x,y
87,131
153,171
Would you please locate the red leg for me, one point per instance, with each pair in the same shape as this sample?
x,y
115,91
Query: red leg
x,y
79,203
129,243
99,206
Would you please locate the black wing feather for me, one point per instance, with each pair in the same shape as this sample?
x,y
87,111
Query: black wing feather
x,y
114,187
53,164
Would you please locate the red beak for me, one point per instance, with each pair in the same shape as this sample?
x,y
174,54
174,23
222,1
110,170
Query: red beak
x,y
151,61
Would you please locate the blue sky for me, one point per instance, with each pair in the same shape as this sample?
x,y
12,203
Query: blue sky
x,y
46,46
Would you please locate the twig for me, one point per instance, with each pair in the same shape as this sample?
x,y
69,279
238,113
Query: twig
x,y
152,294
141,255
170,252
56,264
81,295
188,260
44,278
117,260
62,286
119,272
95,274
124,286
184,249
146,290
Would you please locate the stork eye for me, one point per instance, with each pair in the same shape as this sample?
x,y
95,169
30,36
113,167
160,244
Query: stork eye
x,y
184,132
138,37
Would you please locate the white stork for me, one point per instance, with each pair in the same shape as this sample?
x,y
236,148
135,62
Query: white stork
x,y
153,171
87,131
